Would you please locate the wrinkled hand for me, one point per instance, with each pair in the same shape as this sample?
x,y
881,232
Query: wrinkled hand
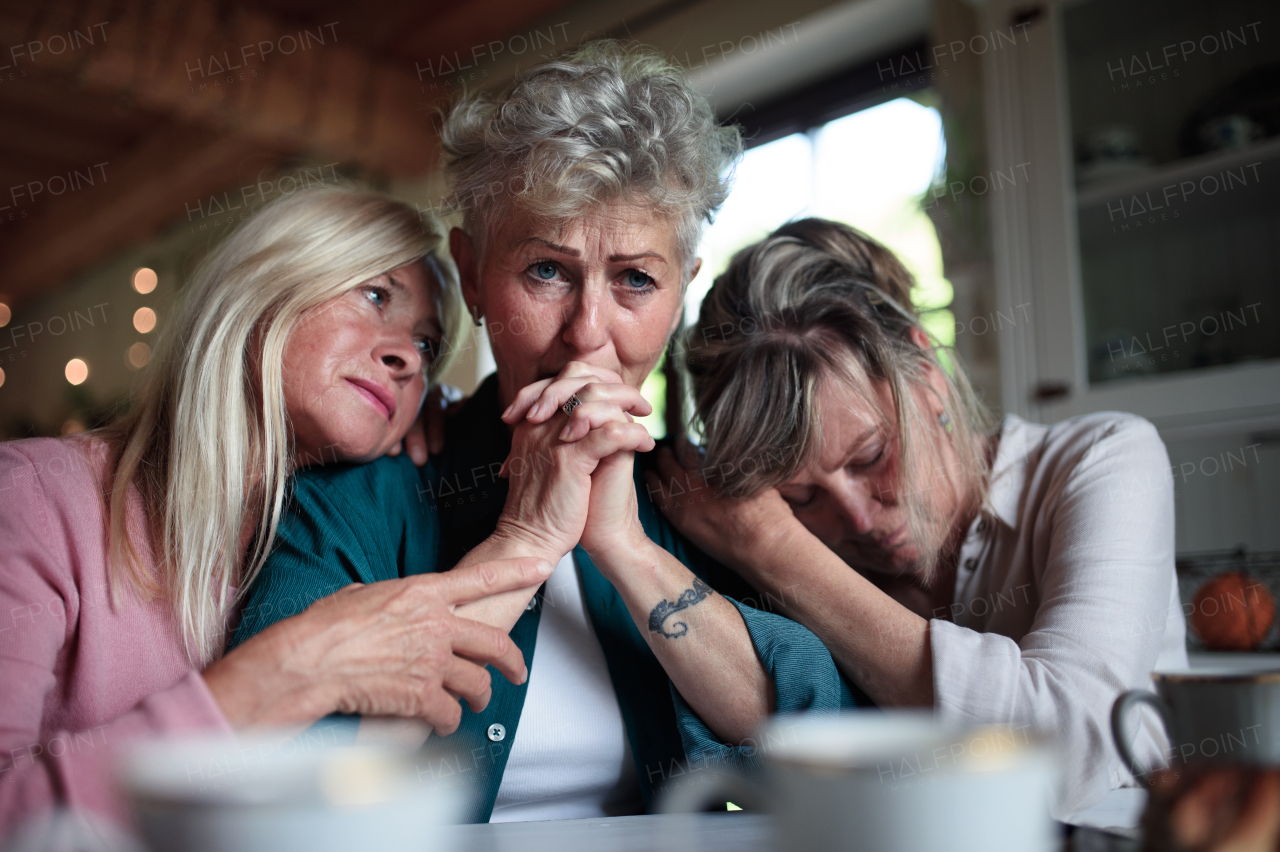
x,y
393,648
602,392
566,473
735,532
426,436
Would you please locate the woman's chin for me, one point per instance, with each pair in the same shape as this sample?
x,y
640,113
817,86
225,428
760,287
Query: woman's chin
x,y
349,446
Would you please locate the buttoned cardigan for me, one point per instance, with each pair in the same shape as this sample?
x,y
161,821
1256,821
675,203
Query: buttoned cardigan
x,y
386,519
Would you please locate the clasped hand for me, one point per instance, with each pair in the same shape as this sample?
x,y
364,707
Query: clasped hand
x,y
571,477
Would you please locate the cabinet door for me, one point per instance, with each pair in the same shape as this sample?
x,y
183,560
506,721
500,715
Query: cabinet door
x,y
1147,241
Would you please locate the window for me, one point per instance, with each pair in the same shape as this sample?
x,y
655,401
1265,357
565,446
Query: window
x,y
872,169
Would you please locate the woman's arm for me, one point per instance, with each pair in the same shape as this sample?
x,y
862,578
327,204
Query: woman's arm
x,y
40,766
48,575
697,635
75,768
392,648
876,641
368,641
588,496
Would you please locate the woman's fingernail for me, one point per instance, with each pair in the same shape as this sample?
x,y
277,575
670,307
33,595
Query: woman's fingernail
x,y
507,413
564,433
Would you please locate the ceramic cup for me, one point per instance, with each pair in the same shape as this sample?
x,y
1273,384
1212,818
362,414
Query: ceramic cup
x,y
1221,716
893,781
270,793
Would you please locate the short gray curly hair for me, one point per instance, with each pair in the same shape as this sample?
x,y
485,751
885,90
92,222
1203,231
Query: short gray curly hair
x,y
604,122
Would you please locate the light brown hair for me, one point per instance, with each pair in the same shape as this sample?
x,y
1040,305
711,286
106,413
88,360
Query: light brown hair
x,y
818,301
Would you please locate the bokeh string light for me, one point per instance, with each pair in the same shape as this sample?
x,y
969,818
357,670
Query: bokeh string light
x,y
138,356
76,371
144,320
145,280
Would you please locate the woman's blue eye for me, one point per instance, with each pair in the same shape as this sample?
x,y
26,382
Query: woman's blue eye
x,y
377,296
637,279
545,271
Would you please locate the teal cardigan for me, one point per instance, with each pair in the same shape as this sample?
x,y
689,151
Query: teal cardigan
x,y
386,519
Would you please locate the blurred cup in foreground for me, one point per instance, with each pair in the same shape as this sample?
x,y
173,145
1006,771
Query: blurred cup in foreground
x,y
893,781
265,793
1209,716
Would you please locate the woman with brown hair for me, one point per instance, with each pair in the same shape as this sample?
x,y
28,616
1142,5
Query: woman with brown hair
x,y
1021,576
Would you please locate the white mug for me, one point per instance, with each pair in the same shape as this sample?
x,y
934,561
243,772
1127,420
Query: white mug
x,y
892,781
268,793
1208,715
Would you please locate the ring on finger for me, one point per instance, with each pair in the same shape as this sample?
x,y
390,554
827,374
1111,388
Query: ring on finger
x,y
572,403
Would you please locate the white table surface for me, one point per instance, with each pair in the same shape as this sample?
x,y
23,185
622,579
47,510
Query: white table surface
x,y
728,832
740,832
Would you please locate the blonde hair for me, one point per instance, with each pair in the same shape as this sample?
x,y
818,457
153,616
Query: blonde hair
x,y
208,440
815,302
604,122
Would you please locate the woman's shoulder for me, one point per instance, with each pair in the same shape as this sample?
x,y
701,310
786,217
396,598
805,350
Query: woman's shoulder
x,y
51,510
387,490
84,451
1101,435
360,481
1115,445
64,469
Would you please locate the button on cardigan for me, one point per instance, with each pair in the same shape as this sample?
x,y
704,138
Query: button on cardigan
x,y
387,519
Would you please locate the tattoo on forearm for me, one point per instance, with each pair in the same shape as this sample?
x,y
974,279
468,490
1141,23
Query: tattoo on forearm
x,y
700,592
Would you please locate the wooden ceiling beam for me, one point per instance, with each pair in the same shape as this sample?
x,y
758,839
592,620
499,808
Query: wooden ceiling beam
x,y
242,90
40,146
235,71
468,30
132,197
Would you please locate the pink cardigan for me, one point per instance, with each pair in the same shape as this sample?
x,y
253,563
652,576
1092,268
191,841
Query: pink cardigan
x,y
79,675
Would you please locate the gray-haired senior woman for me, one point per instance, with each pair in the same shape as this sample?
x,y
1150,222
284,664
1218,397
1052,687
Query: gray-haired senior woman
x,y
1022,576
582,187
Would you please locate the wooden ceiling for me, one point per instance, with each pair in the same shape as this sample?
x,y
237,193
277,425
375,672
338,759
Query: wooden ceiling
x,y
116,115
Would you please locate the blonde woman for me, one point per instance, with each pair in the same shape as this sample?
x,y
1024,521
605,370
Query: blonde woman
x,y
307,336
1020,576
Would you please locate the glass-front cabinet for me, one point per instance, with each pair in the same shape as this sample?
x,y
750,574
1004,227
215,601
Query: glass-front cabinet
x,y
1147,241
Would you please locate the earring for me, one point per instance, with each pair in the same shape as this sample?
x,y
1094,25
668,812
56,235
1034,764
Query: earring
x,y
475,314
944,420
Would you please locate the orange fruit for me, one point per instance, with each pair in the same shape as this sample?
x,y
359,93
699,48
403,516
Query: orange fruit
x,y
1233,612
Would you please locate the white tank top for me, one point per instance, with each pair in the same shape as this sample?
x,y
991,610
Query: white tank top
x,y
570,758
